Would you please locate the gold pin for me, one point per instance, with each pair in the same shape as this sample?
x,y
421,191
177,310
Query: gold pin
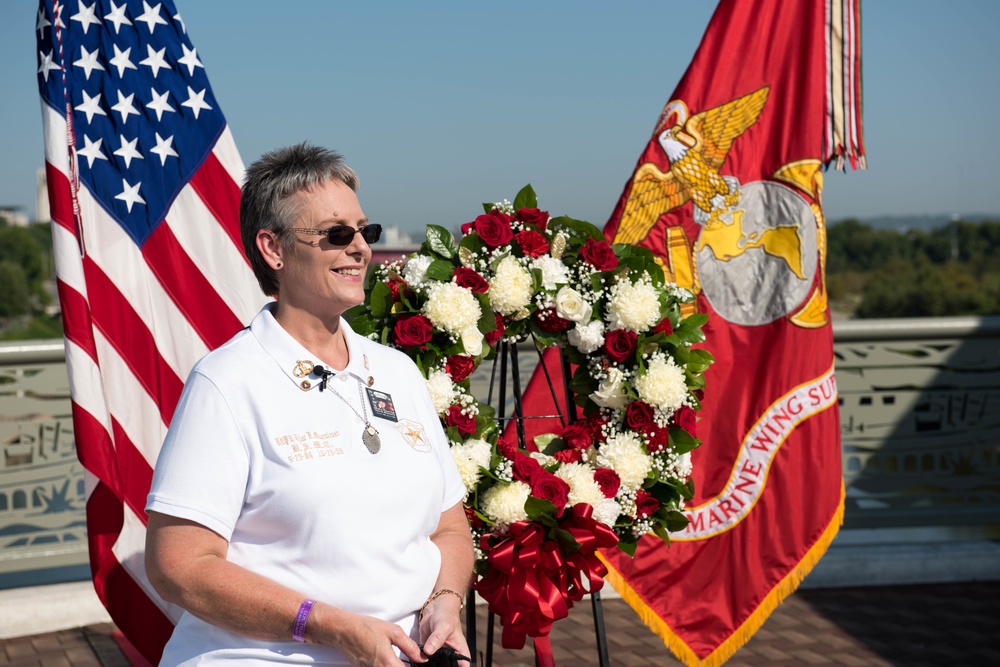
x,y
371,380
303,367
306,385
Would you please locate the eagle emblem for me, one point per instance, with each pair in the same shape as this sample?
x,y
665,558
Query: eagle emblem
x,y
696,148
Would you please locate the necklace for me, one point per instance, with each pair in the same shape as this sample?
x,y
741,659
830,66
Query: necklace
x,y
369,436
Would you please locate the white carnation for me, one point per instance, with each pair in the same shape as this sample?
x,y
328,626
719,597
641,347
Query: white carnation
x,y
681,466
611,392
662,385
587,337
504,503
470,456
554,272
511,287
607,512
624,453
442,390
633,306
452,308
570,305
582,487
415,270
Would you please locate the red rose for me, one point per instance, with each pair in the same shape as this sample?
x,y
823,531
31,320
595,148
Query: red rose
x,y
494,229
620,345
533,216
413,331
645,503
639,416
547,486
459,366
686,420
463,422
493,336
577,436
525,468
664,327
659,438
470,280
608,480
599,254
507,450
472,517
466,228
397,286
547,320
568,455
532,243
595,423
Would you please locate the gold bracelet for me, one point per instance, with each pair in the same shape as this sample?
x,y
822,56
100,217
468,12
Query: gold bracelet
x,y
438,593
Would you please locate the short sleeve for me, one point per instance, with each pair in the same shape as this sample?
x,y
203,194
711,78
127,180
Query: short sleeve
x,y
203,467
454,489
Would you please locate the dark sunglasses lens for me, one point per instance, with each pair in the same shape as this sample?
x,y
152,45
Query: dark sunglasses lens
x,y
342,235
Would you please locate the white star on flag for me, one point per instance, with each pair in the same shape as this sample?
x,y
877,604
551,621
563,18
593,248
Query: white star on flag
x,y
190,59
88,61
92,150
91,106
128,151
130,194
196,101
42,22
47,66
121,60
151,16
85,15
164,148
177,17
125,106
159,103
117,16
155,60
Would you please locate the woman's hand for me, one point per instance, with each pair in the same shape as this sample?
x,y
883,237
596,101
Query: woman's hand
x,y
441,624
365,640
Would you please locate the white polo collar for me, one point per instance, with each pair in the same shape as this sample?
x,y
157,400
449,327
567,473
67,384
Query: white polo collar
x,y
296,362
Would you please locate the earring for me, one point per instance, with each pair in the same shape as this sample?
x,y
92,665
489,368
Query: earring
x,y
278,265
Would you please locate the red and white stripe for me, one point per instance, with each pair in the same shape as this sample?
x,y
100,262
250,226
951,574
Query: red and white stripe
x,y
135,321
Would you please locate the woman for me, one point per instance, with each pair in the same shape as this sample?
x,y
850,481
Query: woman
x,y
305,507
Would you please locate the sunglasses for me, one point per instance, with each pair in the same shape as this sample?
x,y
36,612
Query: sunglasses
x,y
342,235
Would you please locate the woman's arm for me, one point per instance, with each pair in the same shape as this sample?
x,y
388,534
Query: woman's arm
x,y
440,621
186,564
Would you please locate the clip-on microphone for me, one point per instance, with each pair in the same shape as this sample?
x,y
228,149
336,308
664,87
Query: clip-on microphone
x,y
324,374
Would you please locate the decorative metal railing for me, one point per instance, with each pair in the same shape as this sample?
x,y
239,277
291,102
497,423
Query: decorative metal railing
x,y
919,411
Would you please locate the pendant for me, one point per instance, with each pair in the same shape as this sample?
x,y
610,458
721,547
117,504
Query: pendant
x,y
370,437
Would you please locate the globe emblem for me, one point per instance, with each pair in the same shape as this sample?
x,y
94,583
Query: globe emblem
x,y
756,259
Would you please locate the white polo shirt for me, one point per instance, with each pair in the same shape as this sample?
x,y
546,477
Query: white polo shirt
x,y
258,454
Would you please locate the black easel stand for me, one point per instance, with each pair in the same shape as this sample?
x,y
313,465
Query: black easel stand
x,y
505,350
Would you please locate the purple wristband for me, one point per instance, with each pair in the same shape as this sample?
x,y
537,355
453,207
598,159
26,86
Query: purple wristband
x,y
299,628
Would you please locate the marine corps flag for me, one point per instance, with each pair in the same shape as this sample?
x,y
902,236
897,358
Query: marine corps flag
x,y
727,195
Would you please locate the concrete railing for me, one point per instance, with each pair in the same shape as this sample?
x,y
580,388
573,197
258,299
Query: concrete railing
x,y
920,421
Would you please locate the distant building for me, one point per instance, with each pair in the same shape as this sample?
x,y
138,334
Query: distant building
x,y
395,243
42,198
14,216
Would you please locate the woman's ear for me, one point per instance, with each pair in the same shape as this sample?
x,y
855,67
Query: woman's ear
x,y
270,248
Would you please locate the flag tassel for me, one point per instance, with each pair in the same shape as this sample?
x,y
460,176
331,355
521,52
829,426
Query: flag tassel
x,y
752,624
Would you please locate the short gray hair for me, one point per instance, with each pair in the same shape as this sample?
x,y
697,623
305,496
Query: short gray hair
x,y
269,201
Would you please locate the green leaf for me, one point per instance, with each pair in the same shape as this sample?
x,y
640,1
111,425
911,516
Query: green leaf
x,y
567,543
581,228
440,241
695,320
542,441
628,547
542,511
526,198
380,300
676,521
661,532
487,206
440,270
363,324
681,441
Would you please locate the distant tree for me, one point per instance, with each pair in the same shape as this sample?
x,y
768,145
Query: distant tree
x,y
19,245
15,297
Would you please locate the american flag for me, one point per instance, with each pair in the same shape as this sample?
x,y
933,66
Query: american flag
x,y
143,178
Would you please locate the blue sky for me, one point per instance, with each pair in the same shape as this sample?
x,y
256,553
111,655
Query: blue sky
x,y
442,105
